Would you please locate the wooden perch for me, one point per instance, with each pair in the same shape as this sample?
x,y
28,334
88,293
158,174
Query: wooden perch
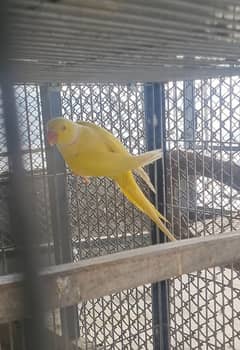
x,y
68,284
184,167
194,163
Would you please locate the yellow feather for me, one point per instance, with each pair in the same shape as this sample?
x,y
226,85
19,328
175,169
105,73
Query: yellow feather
x,y
93,151
115,145
134,194
99,163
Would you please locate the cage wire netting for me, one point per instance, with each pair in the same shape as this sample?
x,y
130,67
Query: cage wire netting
x,y
202,142
202,121
104,222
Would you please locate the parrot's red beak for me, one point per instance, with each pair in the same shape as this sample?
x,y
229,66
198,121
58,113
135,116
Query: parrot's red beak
x,y
52,137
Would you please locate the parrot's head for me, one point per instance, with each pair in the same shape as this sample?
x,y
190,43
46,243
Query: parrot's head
x,y
61,131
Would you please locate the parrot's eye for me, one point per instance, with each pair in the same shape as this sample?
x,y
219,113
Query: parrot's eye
x,y
64,127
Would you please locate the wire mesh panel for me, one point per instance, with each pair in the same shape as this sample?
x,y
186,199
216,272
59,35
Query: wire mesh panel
x,y
202,143
14,335
203,152
101,220
104,222
28,108
34,158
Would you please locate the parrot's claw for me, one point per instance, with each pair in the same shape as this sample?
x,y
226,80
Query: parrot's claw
x,y
86,180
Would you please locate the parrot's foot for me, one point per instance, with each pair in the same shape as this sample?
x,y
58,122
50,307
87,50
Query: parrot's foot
x,y
86,180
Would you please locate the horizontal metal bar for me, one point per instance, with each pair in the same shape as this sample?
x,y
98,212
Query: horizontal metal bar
x,y
39,25
130,15
68,284
69,45
33,73
23,151
169,35
104,41
194,4
46,54
93,241
58,60
151,7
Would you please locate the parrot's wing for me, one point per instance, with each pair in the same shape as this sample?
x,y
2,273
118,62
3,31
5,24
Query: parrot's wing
x,y
95,163
114,145
110,141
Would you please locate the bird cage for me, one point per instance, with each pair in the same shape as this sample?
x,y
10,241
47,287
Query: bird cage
x,y
81,267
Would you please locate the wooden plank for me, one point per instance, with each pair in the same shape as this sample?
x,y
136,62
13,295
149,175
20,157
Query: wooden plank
x,y
68,284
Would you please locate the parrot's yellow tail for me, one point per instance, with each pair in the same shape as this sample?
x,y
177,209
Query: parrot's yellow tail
x,y
131,190
148,157
142,173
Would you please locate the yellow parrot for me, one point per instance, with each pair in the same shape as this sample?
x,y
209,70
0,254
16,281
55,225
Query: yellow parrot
x,y
90,150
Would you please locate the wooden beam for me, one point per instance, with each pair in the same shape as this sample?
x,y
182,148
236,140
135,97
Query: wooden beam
x,y
68,284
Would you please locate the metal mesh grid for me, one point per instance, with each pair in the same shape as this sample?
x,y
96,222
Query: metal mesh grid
x,y
32,144
104,222
101,220
202,150
202,141
28,104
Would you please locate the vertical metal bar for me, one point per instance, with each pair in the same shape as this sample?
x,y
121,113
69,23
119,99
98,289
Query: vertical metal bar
x,y
24,225
189,182
233,344
154,102
51,107
189,117
173,283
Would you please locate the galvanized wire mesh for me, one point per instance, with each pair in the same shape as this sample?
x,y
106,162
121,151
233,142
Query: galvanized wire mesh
x,y
104,222
202,153
34,158
101,220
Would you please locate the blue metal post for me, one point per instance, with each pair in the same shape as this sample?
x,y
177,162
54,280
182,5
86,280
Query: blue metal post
x,y
155,130
51,108
189,185
24,226
189,117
